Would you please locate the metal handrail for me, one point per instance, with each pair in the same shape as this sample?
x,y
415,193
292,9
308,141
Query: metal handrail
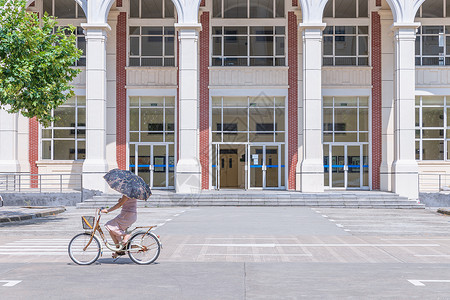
x,y
40,183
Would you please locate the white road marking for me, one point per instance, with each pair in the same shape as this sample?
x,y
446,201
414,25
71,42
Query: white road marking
x,y
420,282
325,216
11,282
251,238
339,225
256,254
177,215
347,230
314,245
428,239
168,220
331,220
432,255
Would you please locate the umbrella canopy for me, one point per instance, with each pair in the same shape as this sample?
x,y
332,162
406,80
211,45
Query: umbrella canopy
x,y
128,183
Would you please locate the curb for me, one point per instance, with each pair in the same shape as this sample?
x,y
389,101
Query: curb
x,y
443,211
48,212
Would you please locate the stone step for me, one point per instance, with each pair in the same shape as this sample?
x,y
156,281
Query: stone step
x,y
345,200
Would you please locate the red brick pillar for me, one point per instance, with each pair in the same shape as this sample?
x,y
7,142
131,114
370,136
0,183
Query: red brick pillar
x,y
292,107
33,150
204,99
121,92
376,100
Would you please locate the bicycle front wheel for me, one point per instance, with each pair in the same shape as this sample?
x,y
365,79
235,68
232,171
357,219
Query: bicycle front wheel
x,y
144,248
77,252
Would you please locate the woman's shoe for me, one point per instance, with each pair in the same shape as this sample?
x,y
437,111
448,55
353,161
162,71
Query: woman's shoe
x,y
117,254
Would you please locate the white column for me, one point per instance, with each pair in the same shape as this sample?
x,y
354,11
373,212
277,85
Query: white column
x,y
188,172
405,167
95,165
312,164
9,162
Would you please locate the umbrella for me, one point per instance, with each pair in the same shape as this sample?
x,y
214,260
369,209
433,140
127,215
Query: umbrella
x,y
128,183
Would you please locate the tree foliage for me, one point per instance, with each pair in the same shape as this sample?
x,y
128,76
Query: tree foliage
x,y
36,62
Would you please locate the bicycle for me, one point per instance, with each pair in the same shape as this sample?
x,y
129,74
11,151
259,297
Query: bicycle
x,y
143,247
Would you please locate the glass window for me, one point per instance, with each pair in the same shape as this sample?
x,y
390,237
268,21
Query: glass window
x,y
152,119
65,139
346,46
433,46
432,136
346,9
248,46
152,9
345,119
248,119
433,9
152,46
63,9
239,9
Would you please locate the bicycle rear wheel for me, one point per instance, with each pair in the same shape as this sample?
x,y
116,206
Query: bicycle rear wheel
x,y
144,248
80,256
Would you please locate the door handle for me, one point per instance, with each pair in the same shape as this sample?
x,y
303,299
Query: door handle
x,y
345,168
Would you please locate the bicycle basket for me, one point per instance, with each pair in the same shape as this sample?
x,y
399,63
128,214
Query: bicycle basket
x,y
88,222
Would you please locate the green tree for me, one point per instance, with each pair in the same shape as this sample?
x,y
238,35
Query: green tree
x,y
36,62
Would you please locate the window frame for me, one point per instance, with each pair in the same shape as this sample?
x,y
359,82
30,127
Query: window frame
x,y
249,132
163,56
445,55
445,128
163,14
274,6
357,35
445,12
357,11
77,8
333,130
76,128
140,130
248,55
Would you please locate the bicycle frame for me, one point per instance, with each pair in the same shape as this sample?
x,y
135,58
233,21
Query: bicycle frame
x,y
112,247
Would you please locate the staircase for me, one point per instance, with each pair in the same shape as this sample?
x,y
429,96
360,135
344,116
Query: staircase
x,y
344,199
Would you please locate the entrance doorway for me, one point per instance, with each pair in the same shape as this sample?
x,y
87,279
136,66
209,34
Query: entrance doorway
x,y
346,166
229,168
248,166
154,163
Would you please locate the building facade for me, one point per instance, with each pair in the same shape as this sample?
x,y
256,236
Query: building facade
x,y
305,95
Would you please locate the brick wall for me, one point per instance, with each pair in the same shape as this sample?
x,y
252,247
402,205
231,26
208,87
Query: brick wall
x,y
294,2
378,3
376,100
33,150
292,99
121,93
118,3
204,99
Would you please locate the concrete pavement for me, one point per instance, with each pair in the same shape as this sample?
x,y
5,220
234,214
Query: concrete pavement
x,y
22,213
240,253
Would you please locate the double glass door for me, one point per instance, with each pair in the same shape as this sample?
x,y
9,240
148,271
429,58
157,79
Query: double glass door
x,y
265,166
155,164
254,166
346,166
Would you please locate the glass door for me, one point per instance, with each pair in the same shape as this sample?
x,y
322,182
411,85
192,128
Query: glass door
x,y
338,167
265,166
257,166
346,166
155,164
273,166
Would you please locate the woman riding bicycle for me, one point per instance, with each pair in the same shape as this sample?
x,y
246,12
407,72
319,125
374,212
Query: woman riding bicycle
x,y
117,227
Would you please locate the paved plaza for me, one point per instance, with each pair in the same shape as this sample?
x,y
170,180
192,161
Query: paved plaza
x,y
240,253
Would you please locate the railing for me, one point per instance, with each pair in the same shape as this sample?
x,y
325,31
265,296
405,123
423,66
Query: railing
x,y
434,182
41,183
